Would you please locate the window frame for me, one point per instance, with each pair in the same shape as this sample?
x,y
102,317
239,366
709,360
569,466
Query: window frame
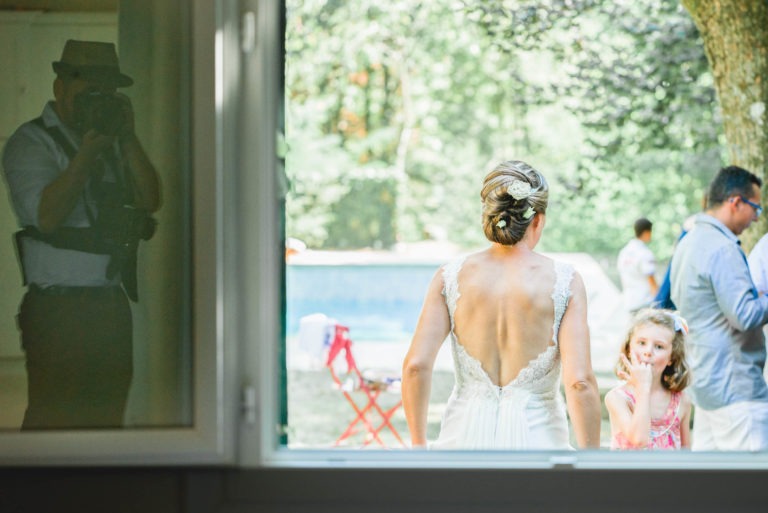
x,y
263,449
211,438
238,286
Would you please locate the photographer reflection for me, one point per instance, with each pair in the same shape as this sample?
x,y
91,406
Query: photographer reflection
x,y
83,189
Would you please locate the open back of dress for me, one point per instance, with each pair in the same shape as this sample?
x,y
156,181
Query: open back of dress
x,y
528,412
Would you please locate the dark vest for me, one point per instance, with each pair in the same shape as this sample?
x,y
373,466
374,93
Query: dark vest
x,y
115,226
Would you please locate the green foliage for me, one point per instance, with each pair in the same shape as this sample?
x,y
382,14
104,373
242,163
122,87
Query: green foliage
x,y
365,215
396,111
636,78
605,209
412,91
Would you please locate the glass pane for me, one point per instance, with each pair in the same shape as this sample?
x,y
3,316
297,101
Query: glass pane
x,y
93,135
395,113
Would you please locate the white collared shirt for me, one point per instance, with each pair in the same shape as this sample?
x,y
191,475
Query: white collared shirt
x,y
636,264
31,161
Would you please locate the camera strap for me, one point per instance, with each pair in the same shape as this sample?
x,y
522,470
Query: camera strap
x,y
70,151
58,136
88,240
78,239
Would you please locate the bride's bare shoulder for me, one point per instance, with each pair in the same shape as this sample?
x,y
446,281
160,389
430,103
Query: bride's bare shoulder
x,y
475,258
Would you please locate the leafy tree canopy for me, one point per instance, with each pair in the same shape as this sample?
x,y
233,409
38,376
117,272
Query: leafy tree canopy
x,y
395,111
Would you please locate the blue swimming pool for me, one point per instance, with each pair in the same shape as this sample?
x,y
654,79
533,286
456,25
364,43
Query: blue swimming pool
x,y
378,302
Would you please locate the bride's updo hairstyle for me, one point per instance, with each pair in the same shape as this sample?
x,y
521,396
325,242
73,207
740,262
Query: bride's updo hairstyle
x,y
512,195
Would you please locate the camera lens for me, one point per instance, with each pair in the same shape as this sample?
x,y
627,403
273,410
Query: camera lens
x,y
99,111
109,117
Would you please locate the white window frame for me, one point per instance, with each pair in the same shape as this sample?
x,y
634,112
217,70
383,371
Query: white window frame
x,y
237,254
211,438
259,442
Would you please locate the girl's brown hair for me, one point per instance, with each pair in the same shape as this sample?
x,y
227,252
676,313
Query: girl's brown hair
x,y
676,375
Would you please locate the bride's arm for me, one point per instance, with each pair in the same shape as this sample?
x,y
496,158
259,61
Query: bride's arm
x,y
431,330
581,392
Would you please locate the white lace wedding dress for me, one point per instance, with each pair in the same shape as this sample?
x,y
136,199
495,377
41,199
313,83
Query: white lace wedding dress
x,y
528,412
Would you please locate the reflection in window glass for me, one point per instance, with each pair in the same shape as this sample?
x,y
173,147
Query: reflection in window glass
x,y
90,133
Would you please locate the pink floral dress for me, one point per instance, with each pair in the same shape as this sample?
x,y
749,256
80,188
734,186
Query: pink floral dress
x,y
665,430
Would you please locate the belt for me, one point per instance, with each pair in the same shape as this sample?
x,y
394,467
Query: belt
x,y
65,290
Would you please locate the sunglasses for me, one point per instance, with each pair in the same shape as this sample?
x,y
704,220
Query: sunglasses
x,y
756,206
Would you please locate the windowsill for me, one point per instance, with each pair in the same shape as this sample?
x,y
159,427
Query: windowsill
x,y
556,460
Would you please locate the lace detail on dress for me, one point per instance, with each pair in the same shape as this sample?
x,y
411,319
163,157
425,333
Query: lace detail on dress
x,y
528,412
538,367
561,294
468,371
451,285
469,367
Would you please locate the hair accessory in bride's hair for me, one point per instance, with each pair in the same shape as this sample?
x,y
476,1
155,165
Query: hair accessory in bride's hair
x,y
680,323
529,213
519,190
501,224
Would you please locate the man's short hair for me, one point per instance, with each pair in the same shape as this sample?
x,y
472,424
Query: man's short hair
x,y
730,181
642,225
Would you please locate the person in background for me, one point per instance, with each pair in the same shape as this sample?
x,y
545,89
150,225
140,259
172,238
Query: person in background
x,y
758,269
83,191
649,410
637,268
663,297
758,265
713,290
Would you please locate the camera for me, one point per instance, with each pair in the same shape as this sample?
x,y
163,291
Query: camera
x,y
121,225
99,111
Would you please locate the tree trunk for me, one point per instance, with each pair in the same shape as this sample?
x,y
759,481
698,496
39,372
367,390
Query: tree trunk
x,y
735,34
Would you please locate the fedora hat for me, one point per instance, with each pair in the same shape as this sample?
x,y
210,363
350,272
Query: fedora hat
x,y
92,61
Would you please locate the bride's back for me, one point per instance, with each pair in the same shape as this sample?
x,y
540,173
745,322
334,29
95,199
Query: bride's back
x,y
498,304
505,313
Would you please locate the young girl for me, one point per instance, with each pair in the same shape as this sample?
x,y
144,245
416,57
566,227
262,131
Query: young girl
x,y
649,410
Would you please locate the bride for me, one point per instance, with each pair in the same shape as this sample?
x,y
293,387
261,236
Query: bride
x,y
514,317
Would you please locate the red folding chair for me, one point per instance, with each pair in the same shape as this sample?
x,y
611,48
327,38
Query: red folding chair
x,y
371,384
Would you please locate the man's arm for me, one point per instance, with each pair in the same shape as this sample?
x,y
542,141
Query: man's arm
x,y
143,176
59,197
758,259
146,183
734,290
654,286
648,267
